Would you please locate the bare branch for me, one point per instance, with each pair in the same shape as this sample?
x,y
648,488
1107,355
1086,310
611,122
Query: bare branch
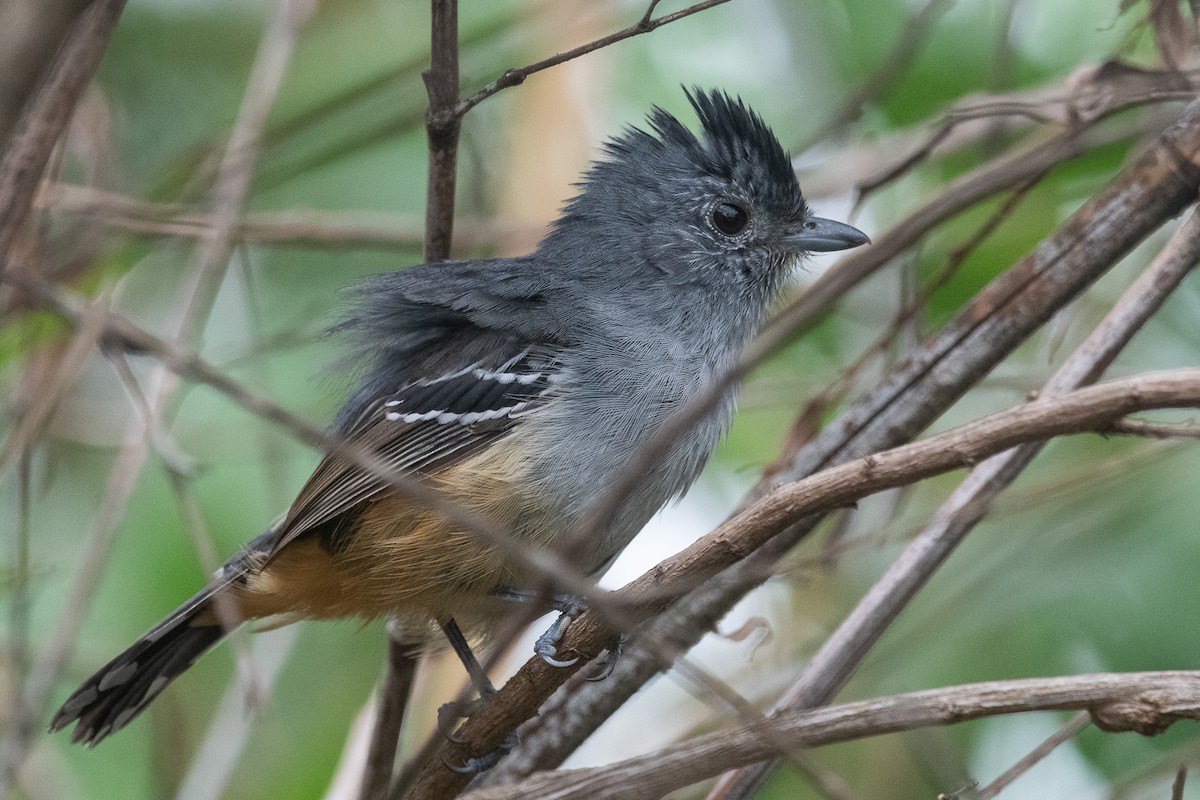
x,y
441,126
829,669
47,115
1155,430
1064,734
516,76
1093,408
1146,703
334,230
1015,304
394,691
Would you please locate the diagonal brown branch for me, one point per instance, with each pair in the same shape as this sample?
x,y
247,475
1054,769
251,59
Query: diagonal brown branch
x,y
831,666
1142,702
1093,408
1158,185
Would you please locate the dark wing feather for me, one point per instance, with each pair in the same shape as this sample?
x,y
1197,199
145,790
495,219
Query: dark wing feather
x,y
423,427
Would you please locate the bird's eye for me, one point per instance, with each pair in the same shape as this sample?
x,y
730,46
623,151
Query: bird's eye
x,y
730,219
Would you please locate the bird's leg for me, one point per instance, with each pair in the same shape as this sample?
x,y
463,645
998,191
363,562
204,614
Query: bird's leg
x,y
458,709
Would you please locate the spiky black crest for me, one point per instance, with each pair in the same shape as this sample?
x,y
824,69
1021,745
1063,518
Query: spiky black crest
x,y
735,146
734,133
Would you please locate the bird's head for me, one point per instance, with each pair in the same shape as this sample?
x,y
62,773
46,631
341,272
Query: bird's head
x,y
722,208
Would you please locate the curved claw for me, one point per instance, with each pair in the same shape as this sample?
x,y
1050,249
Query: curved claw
x,y
474,766
547,644
610,660
557,662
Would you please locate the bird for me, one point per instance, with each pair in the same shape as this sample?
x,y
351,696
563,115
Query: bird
x,y
520,388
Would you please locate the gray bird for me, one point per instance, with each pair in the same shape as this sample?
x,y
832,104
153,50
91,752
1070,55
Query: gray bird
x,y
520,387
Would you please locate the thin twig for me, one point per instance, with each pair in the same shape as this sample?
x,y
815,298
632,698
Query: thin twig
x,y
1155,430
333,230
516,76
1064,734
47,116
1177,784
1088,96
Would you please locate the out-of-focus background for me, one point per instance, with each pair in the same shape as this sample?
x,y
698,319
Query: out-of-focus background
x,y
1088,563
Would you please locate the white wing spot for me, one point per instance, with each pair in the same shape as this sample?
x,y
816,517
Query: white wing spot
x,y
392,416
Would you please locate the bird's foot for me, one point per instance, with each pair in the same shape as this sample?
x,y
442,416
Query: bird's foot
x,y
449,714
478,764
611,657
546,646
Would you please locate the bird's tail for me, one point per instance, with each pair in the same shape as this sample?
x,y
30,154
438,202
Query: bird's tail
x,y
122,689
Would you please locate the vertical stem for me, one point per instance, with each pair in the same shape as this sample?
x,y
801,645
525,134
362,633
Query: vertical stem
x,y
393,702
441,126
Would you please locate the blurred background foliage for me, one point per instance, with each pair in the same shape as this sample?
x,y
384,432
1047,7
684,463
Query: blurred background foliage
x,y
1086,564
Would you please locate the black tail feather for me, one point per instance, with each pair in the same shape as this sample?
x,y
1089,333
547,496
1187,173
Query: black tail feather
x,y
122,689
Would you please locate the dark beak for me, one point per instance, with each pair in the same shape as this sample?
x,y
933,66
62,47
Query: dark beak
x,y
819,235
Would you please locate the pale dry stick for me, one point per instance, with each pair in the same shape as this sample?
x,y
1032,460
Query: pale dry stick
x,y
332,230
1141,702
179,472
194,305
1156,430
1087,96
1003,314
1064,734
1177,785
831,666
121,333
221,751
1092,408
46,116
21,724
236,170
32,420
